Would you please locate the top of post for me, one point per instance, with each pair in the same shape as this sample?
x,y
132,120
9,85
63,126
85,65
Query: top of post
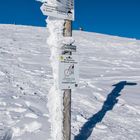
x,y
62,9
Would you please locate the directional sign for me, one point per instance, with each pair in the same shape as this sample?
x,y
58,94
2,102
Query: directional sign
x,y
63,10
66,3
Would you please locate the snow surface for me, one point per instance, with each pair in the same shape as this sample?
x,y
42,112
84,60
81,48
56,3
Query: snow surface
x,y
100,111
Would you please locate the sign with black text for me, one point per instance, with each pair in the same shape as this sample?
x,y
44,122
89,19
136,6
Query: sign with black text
x,y
68,71
64,9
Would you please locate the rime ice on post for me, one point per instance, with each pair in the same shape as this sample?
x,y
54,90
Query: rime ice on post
x,y
55,106
59,101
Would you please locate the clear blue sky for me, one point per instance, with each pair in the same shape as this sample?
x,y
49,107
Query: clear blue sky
x,y
115,17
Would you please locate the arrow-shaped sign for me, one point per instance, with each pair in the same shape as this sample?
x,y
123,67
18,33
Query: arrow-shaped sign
x,y
66,3
63,10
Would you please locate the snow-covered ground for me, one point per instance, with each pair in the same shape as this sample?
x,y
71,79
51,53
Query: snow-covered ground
x,y
100,111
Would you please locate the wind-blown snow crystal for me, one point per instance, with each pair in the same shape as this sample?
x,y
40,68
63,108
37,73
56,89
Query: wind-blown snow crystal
x,y
55,106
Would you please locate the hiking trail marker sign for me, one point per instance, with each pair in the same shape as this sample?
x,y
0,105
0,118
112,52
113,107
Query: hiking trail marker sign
x,y
64,9
68,67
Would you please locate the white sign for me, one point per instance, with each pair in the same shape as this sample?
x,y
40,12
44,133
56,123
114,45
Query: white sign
x,y
68,69
63,10
66,3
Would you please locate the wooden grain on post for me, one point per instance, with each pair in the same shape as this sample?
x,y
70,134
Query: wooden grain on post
x,y
67,93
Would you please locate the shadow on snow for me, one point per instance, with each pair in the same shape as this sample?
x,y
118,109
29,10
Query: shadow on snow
x,y
108,105
7,135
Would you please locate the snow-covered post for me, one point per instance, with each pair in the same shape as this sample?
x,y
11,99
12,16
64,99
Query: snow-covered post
x,y
64,65
55,96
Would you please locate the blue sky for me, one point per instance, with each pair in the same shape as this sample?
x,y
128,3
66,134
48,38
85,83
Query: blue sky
x,y
115,17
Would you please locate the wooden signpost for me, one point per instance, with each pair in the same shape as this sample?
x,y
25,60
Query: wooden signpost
x,y
68,77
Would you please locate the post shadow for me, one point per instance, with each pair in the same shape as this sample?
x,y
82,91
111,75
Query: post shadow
x,y
108,105
7,135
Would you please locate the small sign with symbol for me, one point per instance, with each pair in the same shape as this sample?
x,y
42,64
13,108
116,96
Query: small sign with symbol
x,y
68,68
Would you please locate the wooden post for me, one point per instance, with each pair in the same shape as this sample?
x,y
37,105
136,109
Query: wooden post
x,y
67,28
67,93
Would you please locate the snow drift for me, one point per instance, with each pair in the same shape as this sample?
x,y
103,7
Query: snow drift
x,y
99,110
